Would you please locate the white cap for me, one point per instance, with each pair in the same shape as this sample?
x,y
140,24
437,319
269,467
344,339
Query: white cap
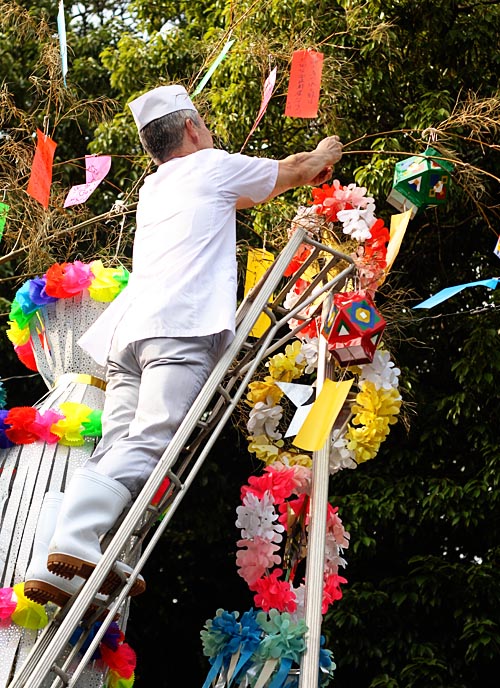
x,y
158,102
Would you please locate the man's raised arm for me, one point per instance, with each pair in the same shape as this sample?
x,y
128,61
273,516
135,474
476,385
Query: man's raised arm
x,y
299,169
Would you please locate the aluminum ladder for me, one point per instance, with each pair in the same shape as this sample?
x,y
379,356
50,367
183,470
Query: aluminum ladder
x,y
51,656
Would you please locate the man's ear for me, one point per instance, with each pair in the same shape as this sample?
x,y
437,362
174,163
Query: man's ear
x,y
192,131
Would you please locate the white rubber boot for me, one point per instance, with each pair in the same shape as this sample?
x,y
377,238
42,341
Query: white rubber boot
x,y
41,585
91,506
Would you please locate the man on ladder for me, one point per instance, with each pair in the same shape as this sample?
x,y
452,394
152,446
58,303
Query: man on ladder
x,y
163,335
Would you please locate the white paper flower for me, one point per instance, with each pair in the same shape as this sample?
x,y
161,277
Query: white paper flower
x,y
300,596
340,456
332,555
381,371
257,517
307,219
264,419
357,222
309,352
291,299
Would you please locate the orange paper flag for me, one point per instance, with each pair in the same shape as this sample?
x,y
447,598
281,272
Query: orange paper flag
x,y
41,171
305,82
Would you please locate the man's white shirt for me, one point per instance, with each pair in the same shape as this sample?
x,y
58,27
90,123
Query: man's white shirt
x,y
184,275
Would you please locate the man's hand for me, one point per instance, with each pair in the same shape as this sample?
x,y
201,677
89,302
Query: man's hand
x,y
322,177
313,168
331,147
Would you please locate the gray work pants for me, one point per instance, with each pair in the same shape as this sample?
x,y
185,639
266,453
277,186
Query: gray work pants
x,y
151,385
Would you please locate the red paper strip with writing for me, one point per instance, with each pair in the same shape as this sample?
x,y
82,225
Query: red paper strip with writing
x,y
305,82
41,171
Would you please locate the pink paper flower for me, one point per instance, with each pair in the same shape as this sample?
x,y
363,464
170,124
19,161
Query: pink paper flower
x,y
43,423
259,555
7,606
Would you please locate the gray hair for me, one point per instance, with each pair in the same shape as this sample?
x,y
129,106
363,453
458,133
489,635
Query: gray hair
x,y
163,136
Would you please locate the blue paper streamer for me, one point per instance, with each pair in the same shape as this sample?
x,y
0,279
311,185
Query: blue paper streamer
x,y
447,293
280,678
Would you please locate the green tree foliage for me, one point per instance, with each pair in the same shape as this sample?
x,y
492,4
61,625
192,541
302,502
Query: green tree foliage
x,y
421,606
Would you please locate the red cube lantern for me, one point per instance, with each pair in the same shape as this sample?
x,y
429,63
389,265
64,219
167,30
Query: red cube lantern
x,y
353,328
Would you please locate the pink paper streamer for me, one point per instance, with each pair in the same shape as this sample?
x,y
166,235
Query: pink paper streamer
x,y
96,168
266,97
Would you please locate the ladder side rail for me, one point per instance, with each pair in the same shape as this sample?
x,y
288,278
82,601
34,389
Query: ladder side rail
x,y
89,590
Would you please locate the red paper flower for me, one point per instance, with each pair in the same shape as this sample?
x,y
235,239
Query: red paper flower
x,y
376,246
123,660
300,257
332,591
279,483
330,199
272,593
26,356
64,280
21,421
296,505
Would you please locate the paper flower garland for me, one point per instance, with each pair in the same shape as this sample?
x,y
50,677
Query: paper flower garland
x,y
378,401
117,655
70,425
61,281
274,520
258,650
114,652
273,517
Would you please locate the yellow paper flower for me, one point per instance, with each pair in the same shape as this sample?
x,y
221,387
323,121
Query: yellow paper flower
x,y
264,450
18,336
69,428
265,391
291,459
284,366
364,441
28,614
105,287
372,402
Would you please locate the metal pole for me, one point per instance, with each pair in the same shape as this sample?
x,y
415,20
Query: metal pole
x,y
309,669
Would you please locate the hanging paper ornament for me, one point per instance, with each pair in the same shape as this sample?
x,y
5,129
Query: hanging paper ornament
x,y
305,84
421,181
353,328
41,169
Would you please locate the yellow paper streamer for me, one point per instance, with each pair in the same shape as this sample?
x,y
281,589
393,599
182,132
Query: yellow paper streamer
x,y
28,614
258,261
323,414
399,223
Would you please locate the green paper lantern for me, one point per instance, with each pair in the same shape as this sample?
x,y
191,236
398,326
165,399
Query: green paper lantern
x,y
421,181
